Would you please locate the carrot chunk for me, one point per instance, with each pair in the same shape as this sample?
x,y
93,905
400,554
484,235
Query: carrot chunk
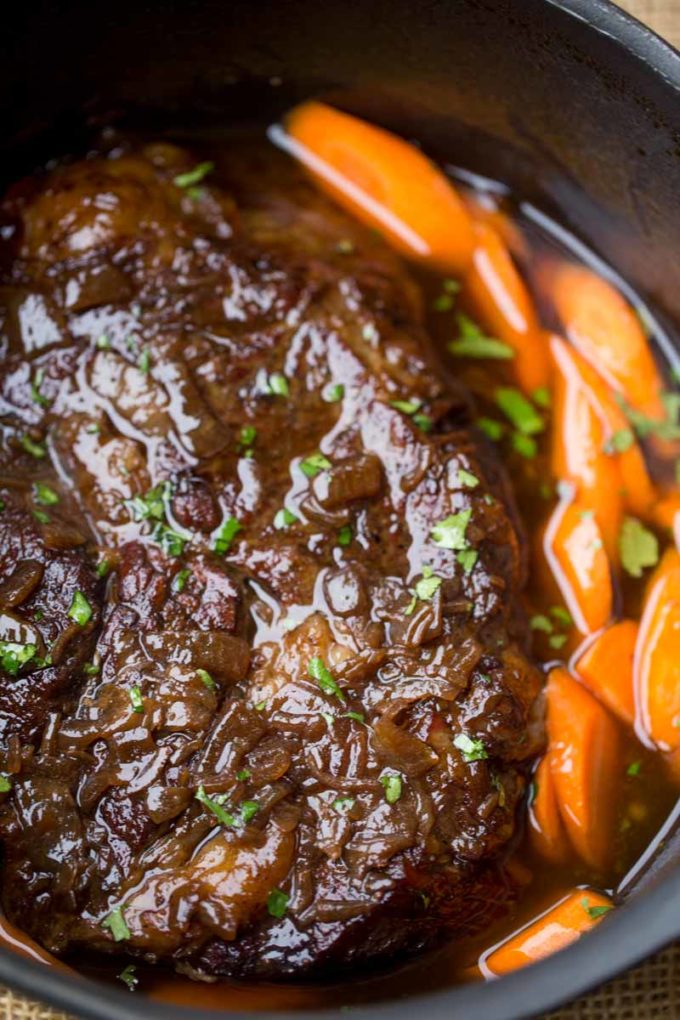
x,y
575,552
579,912
500,301
547,831
656,668
585,762
604,327
606,668
578,446
589,465
386,183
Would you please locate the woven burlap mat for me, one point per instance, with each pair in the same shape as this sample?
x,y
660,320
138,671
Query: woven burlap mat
x,y
649,992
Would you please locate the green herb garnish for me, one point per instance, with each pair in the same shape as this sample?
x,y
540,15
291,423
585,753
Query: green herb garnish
x,y
343,804
129,976
450,533
472,750
314,464
44,494
190,178
136,699
284,518
36,396
333,393
345,535
214,805
472,343
324,678
80,610
205,678
595,912
467,479
115,922
638,546
392,785
180,579
37,450
619,441
226,534
13,656
519,411
277,385
277,902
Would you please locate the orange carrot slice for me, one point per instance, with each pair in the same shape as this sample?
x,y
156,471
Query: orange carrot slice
x,y
565,922
547,831
656,668
585,762
605,328
578,446
484,209
634,487
606,668
666,509
386,183
574,548
500,301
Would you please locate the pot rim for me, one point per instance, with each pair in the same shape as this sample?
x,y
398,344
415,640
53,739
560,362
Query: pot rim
x,y
633,932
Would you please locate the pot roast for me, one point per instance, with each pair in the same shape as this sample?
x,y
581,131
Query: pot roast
x,y
265,704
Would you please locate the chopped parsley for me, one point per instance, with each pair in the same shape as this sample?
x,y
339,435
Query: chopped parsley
x,y
467,559
345,535
392,785
519,411
525,446
541,397
129,976
243,775
356,716
314,464
214,805
36,396
333,393
205,678
284,518
324,678
343,804
472,343
171,542
638,546
41,516
412,409
37,450
277,902
667,429
144,361
424,589
80,610
190,178
5,784
44,495
634,768
491,428
180,579
136,699
103,343
561,615
115,922
619,441
277,385
226,534
557,641
13,656
595,912
151,506
473,750
467,479
247,437
103,568
91,669
450,533
542,623
249,809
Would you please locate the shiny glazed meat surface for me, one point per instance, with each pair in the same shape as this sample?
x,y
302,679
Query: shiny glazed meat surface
x,y
261,711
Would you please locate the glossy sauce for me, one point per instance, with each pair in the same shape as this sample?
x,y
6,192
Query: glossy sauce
x,y
647,792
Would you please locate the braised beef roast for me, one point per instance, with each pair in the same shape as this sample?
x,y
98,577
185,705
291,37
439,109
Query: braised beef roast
x,y
264,704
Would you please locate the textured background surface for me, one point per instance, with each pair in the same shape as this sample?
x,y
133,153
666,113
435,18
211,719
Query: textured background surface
x,y
650,992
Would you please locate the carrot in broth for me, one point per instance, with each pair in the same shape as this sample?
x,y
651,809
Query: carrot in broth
x,y
656,669
585,761
565,922
386,183
546,830
606,668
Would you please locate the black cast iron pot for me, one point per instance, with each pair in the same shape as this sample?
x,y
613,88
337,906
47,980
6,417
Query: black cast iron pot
x,y
571,102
